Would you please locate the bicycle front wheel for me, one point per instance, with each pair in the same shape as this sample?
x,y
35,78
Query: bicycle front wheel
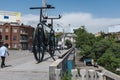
x,y
38,46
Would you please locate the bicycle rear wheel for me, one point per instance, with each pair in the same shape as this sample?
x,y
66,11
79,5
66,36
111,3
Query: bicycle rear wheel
x,y
38,46
52,45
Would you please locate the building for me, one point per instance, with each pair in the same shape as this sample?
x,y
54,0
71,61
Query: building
x,y
8,17
11,32
16,36
66,36
113,32
97,34
114,29
71,37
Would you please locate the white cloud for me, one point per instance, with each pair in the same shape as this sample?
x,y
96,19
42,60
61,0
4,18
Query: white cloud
x,y
30,19
76,20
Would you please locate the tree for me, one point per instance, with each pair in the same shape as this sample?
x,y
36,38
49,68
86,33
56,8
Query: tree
x,y
109,61
85,50
110,55
58,35
79,34
85,41
100,47
83,37
68,43
104,50
115,48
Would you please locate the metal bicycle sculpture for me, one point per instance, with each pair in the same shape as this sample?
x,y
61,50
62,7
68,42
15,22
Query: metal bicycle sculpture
x,y
41,43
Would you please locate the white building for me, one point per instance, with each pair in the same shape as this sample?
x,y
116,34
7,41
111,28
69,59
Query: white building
x,y
10,17
66,36
114,29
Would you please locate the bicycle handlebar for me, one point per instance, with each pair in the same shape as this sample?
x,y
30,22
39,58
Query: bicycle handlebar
x,y
47,7
42,8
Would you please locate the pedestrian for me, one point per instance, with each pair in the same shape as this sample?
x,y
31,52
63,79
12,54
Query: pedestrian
x,y
3,52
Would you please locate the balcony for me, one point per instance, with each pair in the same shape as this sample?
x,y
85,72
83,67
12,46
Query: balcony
x,y
23,41
23,33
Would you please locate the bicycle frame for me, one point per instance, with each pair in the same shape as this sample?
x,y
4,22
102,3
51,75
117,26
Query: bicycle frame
x,y
39,43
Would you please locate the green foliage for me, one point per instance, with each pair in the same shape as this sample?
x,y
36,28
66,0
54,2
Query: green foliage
x,y
66,76
109,61
85,49
109,56
115,48
68,43
80,32
100,47
83,37
104,50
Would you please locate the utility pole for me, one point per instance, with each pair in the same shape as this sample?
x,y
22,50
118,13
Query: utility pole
x,y
44,4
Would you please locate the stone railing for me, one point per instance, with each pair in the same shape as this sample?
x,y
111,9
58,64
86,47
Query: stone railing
x,y
65,63
86,74
90,74
110,75
60,66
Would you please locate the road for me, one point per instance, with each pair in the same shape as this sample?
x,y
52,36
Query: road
x,y
22,66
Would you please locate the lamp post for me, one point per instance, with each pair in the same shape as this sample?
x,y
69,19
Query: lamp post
x,y
72,34
63,37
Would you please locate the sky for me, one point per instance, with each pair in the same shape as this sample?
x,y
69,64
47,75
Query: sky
x,y
95,15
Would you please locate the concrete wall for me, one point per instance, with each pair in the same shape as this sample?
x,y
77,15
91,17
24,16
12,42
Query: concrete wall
x,y
60,66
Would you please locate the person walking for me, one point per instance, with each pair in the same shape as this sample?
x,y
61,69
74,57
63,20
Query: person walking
x,y
3,52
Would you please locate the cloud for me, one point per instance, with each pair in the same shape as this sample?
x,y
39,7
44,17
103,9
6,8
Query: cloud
x,y
76,20
30,19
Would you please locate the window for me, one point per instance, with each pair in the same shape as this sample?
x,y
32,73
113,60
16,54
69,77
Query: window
x,y
6,37
6,30
0,37
15,38
0,29
14,45
15,30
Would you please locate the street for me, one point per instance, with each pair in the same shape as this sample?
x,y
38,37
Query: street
x,y
22,66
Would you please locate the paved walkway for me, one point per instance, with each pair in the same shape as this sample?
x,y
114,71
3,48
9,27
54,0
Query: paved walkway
x,y
22,66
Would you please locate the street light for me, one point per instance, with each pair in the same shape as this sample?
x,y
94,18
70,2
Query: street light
x,y
63,40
